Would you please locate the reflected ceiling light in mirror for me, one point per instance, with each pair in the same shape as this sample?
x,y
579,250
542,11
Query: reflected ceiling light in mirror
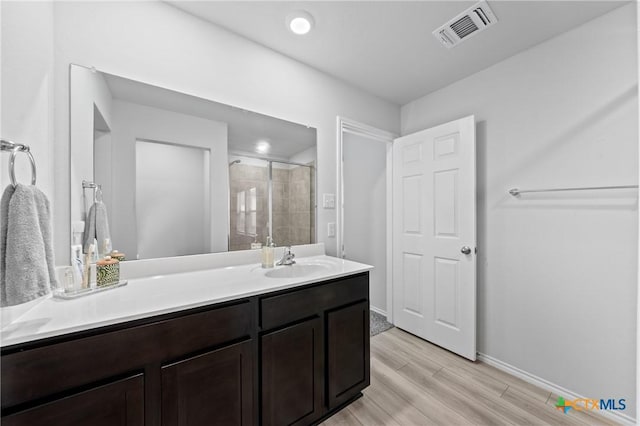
x,y
263,147
300,22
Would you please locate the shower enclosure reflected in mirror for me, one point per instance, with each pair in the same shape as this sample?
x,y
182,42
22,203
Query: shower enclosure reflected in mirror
x,y
272,198
184,175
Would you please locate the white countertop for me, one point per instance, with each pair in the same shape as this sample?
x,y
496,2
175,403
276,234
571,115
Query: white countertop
x,y
151,296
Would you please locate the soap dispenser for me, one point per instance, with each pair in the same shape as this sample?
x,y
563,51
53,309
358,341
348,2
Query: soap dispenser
x,y
267,253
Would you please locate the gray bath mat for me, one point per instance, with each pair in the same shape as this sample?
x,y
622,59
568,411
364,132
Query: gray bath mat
x,y
378,323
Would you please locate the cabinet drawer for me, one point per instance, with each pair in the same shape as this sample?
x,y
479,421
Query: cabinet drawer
x,y
295,305
53,368
120,403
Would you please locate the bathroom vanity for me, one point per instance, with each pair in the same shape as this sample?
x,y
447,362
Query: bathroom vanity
x,y
290,353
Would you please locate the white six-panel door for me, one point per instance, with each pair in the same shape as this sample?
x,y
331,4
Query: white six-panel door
x,y
434,235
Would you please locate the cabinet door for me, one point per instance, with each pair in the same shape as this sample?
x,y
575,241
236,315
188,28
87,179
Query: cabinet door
x,y
119,403
215,388
348,352
292,374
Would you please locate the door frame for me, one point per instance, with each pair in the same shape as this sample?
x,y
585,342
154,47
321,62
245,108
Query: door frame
x,y
349,126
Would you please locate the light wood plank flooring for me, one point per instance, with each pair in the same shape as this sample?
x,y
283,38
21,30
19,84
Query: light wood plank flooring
x,y
416,383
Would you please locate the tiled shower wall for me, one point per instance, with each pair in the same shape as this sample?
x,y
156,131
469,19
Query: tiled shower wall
x,y
293,205
242,178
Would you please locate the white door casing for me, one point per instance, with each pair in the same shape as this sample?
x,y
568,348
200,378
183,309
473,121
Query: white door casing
x,y
348,126
434,222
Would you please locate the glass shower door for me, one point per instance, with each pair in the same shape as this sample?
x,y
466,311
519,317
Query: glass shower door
x,y
270,198
248,202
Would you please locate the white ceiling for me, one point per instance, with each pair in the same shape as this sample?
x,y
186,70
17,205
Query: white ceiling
x,y
386,47
245,128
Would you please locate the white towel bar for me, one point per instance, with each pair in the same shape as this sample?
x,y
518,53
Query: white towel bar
x,y
515,191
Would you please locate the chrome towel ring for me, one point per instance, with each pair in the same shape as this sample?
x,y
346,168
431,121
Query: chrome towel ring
x,y
15,148
97,190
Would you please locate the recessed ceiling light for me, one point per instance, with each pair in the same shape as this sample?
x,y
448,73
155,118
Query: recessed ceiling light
x,y
263,147
300,22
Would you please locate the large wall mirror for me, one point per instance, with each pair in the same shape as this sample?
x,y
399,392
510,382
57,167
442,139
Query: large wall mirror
x,y
181,175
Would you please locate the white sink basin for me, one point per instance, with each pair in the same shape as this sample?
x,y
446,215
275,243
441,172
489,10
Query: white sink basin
x,y
295,271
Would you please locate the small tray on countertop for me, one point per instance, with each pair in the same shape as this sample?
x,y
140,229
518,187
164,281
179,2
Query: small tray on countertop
x,y
61,294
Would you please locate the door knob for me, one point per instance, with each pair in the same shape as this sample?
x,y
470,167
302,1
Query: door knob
x,y
465,250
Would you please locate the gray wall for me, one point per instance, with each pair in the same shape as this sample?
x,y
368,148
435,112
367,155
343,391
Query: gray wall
x,y
26,88
556,274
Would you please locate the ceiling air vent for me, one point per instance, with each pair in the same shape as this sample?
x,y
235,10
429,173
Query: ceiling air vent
x,y
466,25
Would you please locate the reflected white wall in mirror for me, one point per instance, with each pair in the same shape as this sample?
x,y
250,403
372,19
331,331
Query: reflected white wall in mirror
x,y
112,115
172,200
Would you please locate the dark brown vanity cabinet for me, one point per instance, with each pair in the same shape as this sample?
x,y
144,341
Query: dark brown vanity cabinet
x,y
347,352
123,374
315,350
292,369
213,388
288,357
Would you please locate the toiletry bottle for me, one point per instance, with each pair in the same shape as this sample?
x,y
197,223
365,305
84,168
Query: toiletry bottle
x,y
77,263
86,273
115,254
69,284
255,245
267,253
107,271
105,248
77,257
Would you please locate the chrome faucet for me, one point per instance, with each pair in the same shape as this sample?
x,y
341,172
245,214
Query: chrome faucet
x,y
287,257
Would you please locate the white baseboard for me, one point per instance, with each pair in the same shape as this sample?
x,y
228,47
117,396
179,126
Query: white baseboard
x,y
551,387
378,311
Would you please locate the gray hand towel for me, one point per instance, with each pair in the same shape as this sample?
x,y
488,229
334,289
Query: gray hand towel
x,y
26,252
4,226
96,226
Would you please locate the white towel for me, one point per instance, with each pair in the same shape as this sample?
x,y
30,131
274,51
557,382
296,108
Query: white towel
x,y
27,265
96,226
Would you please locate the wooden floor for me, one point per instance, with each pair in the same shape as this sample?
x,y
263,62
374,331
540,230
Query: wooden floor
x,y
416,383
